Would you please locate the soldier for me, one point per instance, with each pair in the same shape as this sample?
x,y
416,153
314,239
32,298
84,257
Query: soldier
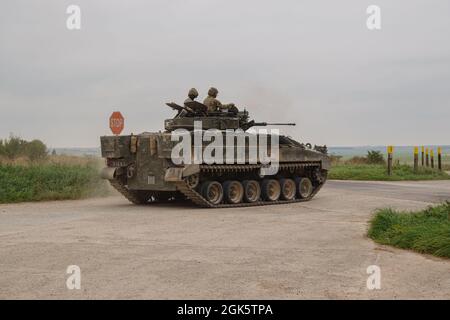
x,y
192,95
213,104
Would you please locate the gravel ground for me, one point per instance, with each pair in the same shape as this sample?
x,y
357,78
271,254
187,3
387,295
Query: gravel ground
x,y
317,249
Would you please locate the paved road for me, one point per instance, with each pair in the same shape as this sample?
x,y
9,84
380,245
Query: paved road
x,y
308,250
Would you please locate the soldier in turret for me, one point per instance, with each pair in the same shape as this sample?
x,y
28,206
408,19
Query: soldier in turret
x,y
213,103
192,95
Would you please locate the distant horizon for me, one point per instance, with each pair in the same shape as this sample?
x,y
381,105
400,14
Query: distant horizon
x,y
349,146
329,146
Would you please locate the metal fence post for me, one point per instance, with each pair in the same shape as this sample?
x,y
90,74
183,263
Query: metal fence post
x,y
416,159
432,157
390,151
423,156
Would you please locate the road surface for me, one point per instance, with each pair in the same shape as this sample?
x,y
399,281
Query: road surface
x,y
317,249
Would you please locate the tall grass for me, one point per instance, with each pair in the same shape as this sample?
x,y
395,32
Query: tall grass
x,y
379,172
426,231
51,180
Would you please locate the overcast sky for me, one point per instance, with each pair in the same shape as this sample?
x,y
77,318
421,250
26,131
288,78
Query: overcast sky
x,y
310,62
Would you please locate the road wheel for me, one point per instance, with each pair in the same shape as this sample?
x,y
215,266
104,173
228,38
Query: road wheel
x,y
252,190
212,191
192,181
270,189
233,191
304,187
288,189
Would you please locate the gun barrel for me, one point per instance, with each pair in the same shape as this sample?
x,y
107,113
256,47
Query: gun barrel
x,y
273,124
282,124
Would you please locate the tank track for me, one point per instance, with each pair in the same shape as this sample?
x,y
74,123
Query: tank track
x,y
199,200
132,196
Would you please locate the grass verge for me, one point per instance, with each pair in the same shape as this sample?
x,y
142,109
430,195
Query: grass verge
x,y
50,181
425,231
379,172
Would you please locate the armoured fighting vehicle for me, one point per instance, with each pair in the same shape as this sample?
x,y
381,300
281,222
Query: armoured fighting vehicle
x,y
143,168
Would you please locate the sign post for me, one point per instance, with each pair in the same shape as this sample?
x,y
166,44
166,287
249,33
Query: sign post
x,y
390,151
423,156
432,157
116,122
439,158
416,159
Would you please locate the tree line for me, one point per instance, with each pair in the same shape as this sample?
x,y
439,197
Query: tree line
x,y
15,147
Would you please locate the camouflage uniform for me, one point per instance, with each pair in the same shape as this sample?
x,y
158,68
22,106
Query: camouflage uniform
x,y
192,94
212,103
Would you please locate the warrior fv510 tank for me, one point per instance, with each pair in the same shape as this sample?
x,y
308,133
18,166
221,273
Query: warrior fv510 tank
x,y
143,167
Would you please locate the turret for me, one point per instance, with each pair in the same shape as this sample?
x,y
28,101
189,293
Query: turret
x,y
195,111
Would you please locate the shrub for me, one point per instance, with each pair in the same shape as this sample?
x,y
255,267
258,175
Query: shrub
x,y
357,160
335,159
374,157
425,231
35,150
49,181
378,172
14,148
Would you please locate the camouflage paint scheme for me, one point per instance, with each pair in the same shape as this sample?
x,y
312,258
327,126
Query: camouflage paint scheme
x,y
150,153
141,167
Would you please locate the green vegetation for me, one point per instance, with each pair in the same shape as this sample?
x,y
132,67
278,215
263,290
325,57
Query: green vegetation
x,y
426,231
28,173
379,172
49,181
373,167
374,157
403,155
15,147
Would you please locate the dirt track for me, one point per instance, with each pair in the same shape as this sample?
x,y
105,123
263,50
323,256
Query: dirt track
x,y
308,250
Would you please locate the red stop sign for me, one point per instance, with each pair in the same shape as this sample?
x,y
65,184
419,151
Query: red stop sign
x,y
116,122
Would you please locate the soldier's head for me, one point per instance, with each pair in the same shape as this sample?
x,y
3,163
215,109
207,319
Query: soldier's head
x,y
193,93
213,92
